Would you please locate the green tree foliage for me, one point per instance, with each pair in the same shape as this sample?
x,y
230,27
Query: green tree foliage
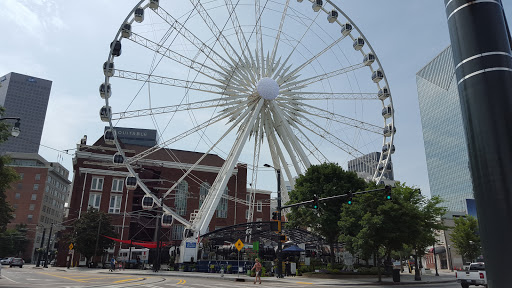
x,y
13,241
465,237
375,226
323,180
85,233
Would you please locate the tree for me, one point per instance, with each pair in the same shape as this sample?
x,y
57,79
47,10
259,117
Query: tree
x,y
13,241
324,180
465,237
88,230
375,226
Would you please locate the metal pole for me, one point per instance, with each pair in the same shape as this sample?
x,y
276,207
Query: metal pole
x,y
48,247
484,77
40,248
156,262
435,258
279,244
97,237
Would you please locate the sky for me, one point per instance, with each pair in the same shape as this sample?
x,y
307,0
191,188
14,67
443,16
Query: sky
x,y
68,41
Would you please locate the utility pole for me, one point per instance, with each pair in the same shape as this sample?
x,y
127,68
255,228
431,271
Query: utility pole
x,y
279,243
48,247
40,248
483,71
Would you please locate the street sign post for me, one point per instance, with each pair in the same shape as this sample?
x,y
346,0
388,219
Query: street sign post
x,y
239,245
71,246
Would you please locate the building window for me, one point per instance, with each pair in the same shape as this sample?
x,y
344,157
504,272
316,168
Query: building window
x,y
29,218
97,183
203,191
18,195
180,202
32,207
177,232
20,186
115,204
247,214
94,200
34,197
47,188
259,206
21,176
222,208
117,185
15,206
49,179
36,187
38,176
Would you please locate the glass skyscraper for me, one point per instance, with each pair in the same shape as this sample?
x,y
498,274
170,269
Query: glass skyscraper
x,y
443,132
25,97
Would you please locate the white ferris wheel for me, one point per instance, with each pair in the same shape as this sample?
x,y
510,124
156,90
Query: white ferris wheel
x,y
289,82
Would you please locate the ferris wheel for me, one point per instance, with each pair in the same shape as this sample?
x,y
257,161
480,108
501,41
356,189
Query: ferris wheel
x,y
291,83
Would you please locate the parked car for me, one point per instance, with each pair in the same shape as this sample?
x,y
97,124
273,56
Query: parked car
x,y
17,262
6,261
475,275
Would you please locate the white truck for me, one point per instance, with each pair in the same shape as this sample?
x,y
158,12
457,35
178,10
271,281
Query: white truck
x,y
475,275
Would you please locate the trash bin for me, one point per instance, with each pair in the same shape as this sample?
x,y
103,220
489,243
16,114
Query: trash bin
x,y
396,275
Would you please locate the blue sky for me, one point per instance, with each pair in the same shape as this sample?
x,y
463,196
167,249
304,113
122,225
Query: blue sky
x,y
67,42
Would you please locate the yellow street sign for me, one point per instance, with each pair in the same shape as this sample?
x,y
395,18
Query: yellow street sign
x,y
71,246
239,245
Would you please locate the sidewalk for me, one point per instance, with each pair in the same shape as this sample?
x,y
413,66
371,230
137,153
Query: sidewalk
x,y
445,276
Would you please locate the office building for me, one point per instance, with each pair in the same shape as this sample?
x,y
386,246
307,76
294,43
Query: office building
x,y
366,165
38,199
443,132
25,97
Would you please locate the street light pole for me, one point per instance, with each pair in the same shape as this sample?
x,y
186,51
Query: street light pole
x,y
279,244
40,248
435,258
48,247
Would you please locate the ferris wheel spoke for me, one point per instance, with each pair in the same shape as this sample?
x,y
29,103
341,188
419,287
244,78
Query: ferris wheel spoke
x,y
286,78
302,96
278,159
306,142
191,169
192,85
290,86
322,113
214,103
242,41
199,127
279,31
192,38
179,58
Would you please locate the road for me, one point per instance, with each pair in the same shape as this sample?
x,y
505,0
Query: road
x,y
28,277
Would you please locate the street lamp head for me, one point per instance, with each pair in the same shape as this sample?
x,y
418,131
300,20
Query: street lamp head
x,y
15,132
267,165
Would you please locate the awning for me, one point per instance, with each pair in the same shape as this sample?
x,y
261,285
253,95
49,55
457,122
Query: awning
x,y
293,248
439,250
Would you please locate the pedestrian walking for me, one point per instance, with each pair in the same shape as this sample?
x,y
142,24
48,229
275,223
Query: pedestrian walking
x,y
113,264
257,268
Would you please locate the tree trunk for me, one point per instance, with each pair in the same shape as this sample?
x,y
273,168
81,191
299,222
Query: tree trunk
x,y
331,256
417,276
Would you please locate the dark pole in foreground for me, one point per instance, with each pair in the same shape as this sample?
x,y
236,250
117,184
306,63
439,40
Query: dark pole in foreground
x,y
435,258
156,260
482,56
40,248
48,247
279,243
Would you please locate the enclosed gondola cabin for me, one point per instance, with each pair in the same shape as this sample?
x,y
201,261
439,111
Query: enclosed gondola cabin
x,y
139,15
383,93
377,75
387,112
389,130
147,202
167,220
300,1
105,91
346,29
116,48
105,113
386,149
358,43
118,159
126,32
368,59
131,183
333,16
153,4
317,5
108,137
108,69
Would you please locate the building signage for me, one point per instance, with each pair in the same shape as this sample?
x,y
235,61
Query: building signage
x,y
190,245
32,80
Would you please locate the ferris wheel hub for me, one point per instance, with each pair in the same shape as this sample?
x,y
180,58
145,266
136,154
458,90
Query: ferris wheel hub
x,y
268,88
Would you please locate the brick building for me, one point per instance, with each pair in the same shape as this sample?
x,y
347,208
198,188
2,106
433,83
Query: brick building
x,y
38,199
98,183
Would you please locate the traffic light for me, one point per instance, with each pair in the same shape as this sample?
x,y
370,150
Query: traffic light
x,y
275,217
315,202
283,238
275,226
387,188
349,198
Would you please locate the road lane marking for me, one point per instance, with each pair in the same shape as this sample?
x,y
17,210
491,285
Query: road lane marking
x,y
126,280
305,283
63,277
3,276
